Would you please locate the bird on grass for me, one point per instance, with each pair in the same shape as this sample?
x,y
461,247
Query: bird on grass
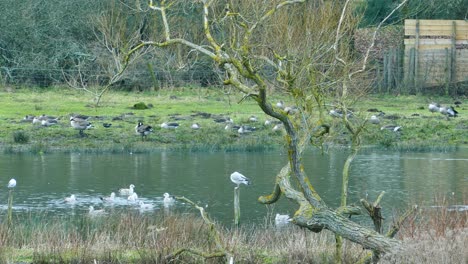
x,y
195,126
393,128
374,120
239,179
434,107
170,125
143,130
80,124
125,191
70,199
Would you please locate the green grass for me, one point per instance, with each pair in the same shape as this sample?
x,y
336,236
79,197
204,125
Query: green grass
x,y
425,131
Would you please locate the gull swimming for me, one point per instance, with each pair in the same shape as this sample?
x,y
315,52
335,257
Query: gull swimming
x,y
168,200
108,198
133,197
93,212
239,179
145,206
12,183
128,191
281,220
70,199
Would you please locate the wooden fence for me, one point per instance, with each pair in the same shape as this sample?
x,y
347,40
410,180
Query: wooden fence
x,y
436,53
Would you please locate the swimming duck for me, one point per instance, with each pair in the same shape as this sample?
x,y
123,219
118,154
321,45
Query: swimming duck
x,y
93,212
168,200
70,199
108,198
125,191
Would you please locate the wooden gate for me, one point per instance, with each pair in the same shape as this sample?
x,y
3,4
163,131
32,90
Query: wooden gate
x,y
436,53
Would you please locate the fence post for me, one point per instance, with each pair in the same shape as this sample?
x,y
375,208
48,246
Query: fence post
x,y
416,59
453,64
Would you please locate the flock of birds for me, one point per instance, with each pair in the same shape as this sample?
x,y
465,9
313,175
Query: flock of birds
x,y
132,198
447,111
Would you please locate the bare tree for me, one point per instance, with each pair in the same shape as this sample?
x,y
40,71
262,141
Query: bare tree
x,y
300,48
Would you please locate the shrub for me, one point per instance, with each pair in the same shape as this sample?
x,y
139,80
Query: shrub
x,y
20,137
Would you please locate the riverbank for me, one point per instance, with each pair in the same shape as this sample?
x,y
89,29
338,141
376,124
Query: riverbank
x,y
115,119
430,236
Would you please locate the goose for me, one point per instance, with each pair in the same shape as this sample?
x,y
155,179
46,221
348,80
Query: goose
x,y
80,124
195,126
93,212
70,199
129,191
145,206
108,198
434,107
143,130
253,119
169,125
374,120
133,197
11,183
28,118
277,127
49,122
239,179
393,128
168,200
449,111
280,104
246,129
282,220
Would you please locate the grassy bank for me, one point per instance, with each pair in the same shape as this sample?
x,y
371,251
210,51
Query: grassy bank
x,y
431,236
421,129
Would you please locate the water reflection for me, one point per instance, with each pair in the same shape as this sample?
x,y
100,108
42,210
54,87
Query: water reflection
x,y
45,180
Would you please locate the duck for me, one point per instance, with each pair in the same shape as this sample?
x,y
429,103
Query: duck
x,y
239,179
93,212
374,120
70,199
168,199
80,124
282,220
108,198
393,128
125,191
170,125
143,130
195,126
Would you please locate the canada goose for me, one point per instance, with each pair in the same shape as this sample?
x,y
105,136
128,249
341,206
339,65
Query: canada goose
x,y
168,200
246,129
169,125
143,130
129,191
451,112
93,212
393,128
282,220
70,199
195,126
239,179
434,107
108,198
80,124
374,120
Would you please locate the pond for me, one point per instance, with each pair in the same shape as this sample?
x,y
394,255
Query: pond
x,y
45,180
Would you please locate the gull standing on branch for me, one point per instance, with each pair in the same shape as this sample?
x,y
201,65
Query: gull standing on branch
x,y
239,179
12,183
